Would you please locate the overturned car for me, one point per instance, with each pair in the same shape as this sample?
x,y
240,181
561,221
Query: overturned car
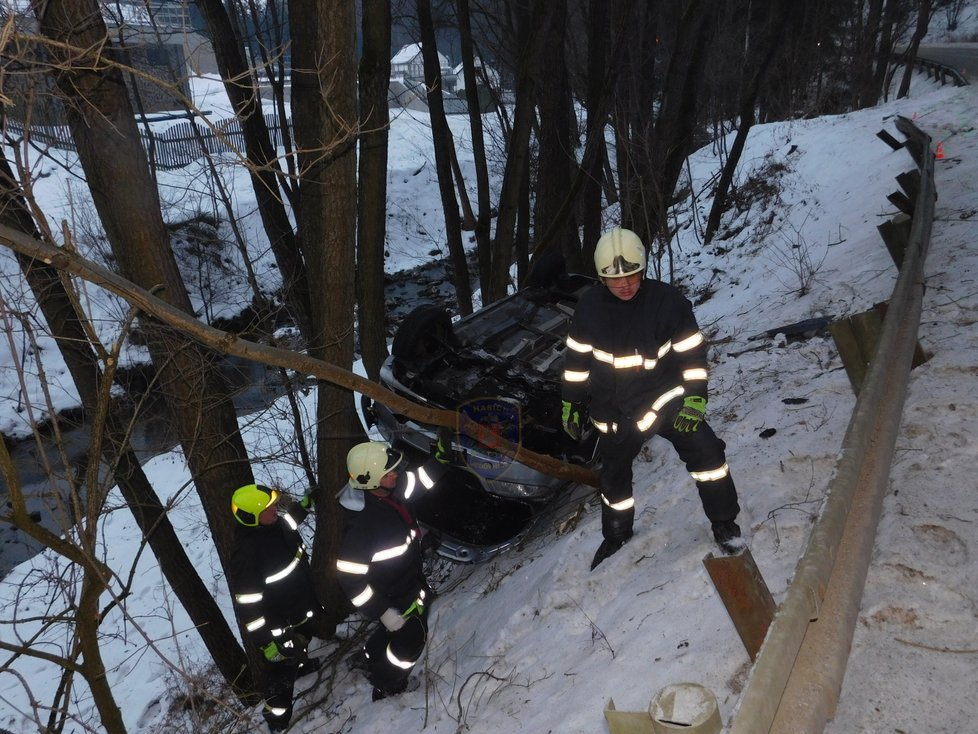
x,y
501,367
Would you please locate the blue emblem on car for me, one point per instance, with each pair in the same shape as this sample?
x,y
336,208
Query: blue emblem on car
x,y
499,424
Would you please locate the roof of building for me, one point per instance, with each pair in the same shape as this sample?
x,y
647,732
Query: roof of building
x,y
413,50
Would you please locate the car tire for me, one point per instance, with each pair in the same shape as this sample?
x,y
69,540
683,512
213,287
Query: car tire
x,y
424,331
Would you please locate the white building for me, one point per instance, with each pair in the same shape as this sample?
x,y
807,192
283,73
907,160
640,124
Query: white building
x,y
408,65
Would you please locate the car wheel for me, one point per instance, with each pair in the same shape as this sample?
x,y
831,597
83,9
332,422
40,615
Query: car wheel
x,y
424,332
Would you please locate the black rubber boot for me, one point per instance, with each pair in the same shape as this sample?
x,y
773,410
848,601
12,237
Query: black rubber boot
x,y
616,527
608,547
727,535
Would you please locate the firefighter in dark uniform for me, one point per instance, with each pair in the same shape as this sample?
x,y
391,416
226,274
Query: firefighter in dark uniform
x,y
380,564
636,366
273,591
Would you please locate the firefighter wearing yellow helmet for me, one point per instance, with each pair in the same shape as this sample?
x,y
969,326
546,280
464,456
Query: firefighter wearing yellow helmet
x,y
272,587
635,367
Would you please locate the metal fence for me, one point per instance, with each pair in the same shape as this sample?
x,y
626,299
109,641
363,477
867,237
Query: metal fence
x,y
169,149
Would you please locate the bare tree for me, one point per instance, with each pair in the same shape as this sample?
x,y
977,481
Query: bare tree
x,y
324,113
745,120
924,10
103,127
484,214
442,139
375,65
557,139
74,340
239,81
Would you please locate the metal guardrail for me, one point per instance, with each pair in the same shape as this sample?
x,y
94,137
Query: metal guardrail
x,y
935,70
796,679
941,72
175,147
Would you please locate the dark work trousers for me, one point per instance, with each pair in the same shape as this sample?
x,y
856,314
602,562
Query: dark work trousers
x,y
701,451
280,684
391,655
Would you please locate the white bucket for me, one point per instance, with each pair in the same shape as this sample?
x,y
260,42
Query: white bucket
x,y
685,707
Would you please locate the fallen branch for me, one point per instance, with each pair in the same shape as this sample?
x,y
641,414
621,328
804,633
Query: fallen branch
x,y
227,343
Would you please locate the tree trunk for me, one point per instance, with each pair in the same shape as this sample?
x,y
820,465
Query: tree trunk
x,y
678,114
92,666
442,139
864,92
264,169
150,515
774,39
923,20
557,144
483,217
105,135
324,114
375,67
883,56
635,97
518,156
597,63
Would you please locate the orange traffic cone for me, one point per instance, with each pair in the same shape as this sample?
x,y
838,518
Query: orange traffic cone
x,y
939,153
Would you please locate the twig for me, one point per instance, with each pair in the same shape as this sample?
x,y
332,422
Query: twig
x,y
967,651
596,632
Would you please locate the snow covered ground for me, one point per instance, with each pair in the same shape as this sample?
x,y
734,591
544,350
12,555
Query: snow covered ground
x,y
532,641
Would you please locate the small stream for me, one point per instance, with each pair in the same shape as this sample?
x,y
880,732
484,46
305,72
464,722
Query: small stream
x,y
254,387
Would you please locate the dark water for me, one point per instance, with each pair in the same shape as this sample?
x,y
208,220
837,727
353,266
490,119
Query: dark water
x,y
40,465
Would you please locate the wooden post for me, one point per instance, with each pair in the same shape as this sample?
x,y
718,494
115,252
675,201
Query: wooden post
x,y
901,201
745,595
857,337
896,234
627,722
910,182
889,140
849,351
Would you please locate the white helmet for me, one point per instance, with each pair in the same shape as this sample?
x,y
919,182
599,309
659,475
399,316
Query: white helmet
x,y
618,253
368,462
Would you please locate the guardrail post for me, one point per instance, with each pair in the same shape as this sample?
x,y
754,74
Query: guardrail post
x,y
910,182
889,140
745,595
896,235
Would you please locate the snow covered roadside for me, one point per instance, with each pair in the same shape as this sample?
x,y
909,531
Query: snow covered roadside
x,y
914,652
532,641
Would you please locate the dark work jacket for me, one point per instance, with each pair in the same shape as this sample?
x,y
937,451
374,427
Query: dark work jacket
x,y
379,563
627,358
271,578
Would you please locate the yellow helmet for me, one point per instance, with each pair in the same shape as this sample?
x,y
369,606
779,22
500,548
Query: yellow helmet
x,y
618,253
368,462
249,501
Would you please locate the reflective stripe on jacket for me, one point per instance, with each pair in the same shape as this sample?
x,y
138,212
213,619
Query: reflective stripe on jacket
x,y
379,563
271,580
629,359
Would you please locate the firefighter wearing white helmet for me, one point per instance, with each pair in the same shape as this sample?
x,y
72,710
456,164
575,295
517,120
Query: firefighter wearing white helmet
x,y
272,584
379,566
635,366
619,253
